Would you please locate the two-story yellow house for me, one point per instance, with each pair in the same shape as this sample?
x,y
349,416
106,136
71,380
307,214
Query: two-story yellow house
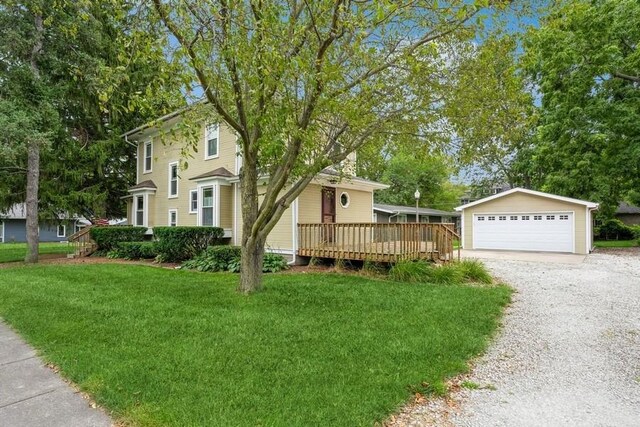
x,y
207,192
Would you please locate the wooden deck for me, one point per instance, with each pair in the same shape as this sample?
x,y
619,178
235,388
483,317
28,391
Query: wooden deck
x,y
377,241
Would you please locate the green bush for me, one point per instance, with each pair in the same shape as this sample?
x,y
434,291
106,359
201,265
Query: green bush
x,y
215,258
108,238
447,274
272,263
474,271
410,271
614,229
227,258
134,250
175,244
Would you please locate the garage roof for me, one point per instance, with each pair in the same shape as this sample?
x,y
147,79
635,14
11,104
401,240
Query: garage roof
x,y
531,192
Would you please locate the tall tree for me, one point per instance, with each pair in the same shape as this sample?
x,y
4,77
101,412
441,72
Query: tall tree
x,y
77,87
586,61
304,84
491,109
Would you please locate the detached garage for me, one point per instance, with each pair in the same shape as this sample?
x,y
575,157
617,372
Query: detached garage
x,y
527,220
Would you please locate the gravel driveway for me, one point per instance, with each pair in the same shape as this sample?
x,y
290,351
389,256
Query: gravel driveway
x,y
568,355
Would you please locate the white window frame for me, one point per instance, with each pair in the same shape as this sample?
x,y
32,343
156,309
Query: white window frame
x,y
172,211
208,131
191,193
173,196
150,156
64,230
346,205
135,210
201,206
1,231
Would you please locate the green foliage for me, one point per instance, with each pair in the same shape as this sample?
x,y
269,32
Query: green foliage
x,y
216,258
614,229
108,238
474,271
227,258
445,274
585,61
134,250
272,263
175,244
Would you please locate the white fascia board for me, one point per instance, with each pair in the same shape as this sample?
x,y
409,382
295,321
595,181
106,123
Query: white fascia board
x,y
531,192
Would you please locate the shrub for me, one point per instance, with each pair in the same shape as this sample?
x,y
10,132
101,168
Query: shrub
x,y
474,271
216,258
272,263
410,271
176,244
108,238
614,229
134,250
227,258
447,274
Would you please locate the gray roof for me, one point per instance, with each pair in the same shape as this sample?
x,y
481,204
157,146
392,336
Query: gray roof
x,y
144,184
625,208
19,211
222,172
395,209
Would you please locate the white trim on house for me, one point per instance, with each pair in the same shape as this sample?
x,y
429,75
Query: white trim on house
x,y
235,213
294,229
172,211
170,178
191,193
216,205
238,162
207,155
462,242
2,232
144,156
530,192
64,230
346,205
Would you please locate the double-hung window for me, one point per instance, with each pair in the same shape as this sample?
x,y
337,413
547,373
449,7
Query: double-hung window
x,y
207,206
173,218
139,210
173,179
212,140
193,201
148,156
62,230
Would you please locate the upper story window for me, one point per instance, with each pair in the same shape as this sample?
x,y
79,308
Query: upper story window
x,y
148,156
173,179
212,141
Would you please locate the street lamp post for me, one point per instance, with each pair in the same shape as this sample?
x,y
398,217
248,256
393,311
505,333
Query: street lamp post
x,y
417,196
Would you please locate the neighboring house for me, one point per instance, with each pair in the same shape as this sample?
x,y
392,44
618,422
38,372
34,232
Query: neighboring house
x,y
13,226
527,220
628,214
393,213
207,192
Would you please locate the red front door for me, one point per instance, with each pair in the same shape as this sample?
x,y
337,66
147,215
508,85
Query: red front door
x,y
328,212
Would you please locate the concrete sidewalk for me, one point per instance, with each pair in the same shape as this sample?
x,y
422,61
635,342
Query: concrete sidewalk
x,y
33,395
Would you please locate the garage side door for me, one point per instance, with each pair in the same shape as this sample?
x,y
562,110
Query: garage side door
x,y
547,232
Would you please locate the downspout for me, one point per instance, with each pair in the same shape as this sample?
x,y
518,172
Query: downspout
x,y
395,214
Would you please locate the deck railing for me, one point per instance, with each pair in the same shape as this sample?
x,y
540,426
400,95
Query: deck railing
x,y
82,243
380,242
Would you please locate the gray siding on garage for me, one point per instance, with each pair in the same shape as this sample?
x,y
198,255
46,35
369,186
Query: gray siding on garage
x,y
15,230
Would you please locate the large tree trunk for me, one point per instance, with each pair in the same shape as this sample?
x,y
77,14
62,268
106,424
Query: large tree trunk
x,y
33,159
33,177
252,241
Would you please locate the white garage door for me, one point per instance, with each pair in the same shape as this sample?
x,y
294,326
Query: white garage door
x,y
548,232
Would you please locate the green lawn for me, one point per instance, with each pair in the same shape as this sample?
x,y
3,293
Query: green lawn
x,y
169,347
615,243
10,252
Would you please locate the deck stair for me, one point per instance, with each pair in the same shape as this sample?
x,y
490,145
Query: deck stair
x,y
83,244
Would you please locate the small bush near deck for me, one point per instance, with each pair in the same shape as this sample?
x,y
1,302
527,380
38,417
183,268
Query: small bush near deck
x,y
447,274
134,250
410,271
474,271
272,263
175,244
108,238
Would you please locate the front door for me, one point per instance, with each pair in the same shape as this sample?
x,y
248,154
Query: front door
x,y
328,212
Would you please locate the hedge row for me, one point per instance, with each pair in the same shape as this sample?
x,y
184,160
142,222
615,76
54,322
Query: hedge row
x,y
614,229
108,238
175,244
134,250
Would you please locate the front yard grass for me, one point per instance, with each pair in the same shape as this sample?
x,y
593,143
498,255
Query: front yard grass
x,y
168,347
615,243
12,252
